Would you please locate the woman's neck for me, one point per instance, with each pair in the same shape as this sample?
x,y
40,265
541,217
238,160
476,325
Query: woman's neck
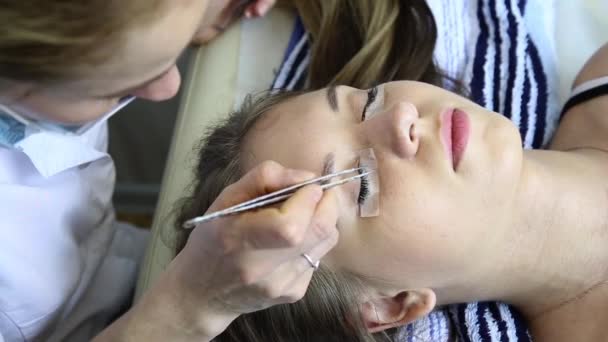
x,y
556,255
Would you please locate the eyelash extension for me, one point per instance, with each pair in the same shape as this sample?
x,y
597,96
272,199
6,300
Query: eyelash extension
x,y
371,97
368,198
363,189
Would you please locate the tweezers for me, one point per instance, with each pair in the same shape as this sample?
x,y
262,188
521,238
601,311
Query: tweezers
x,y
281,195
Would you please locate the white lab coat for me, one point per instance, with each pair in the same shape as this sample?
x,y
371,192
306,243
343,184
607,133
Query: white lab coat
x,y
66,267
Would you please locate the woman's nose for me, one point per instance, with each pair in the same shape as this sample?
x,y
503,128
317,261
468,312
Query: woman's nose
x,y
163,88
396,129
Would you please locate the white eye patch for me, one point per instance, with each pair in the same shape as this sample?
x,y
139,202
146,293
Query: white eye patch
x,y
371,205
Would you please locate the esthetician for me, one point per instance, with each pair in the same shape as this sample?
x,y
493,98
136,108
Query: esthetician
x,y
67,268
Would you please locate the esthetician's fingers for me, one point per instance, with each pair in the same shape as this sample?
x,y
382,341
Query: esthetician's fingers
x,y
246,244
249,276
220,14
299,224
323,224
259,8
288,282
266,177
285,226
321,236
288,263
253,279
326,216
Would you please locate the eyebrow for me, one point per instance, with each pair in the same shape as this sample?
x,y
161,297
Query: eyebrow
x,y
332,98
130,90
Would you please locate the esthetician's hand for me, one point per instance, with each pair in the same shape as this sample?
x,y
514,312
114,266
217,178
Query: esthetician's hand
x,y
220,14
236,264
248,262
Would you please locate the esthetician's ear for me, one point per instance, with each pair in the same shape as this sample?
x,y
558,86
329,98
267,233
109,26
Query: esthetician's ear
x,y
389,312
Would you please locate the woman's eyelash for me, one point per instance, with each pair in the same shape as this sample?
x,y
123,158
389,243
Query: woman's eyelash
x,y
371,97
363,190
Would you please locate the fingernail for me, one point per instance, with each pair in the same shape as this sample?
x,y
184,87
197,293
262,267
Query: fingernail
x,y
262,9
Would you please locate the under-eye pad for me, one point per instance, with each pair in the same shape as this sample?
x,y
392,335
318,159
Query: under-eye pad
x,y
371,206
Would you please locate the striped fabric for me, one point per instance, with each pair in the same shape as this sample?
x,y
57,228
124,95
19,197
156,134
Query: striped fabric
x,y
434,327
293,70
488,321
506,72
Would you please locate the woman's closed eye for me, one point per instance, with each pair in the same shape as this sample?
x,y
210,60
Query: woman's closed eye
x,y
371,97
375,101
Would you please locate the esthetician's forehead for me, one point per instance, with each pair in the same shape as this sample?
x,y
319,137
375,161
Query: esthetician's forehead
x,y
146,51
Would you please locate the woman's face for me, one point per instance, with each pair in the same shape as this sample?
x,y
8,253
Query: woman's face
x,y
143,65
447,168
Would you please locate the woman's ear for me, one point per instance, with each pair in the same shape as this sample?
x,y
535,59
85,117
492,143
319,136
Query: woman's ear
x,y
383,313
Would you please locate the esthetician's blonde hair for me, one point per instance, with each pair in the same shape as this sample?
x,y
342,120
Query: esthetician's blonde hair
x,y
44,41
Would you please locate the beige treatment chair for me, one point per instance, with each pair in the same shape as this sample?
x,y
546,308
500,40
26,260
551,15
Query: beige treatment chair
x,y
241,61
244,59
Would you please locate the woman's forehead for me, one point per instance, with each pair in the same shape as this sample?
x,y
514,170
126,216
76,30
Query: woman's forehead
x,y
290,147
298,134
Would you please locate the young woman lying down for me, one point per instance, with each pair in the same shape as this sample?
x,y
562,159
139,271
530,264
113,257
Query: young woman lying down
x,y
456,211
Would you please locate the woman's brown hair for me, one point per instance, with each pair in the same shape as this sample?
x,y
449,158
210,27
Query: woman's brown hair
x,y
45,41
362,43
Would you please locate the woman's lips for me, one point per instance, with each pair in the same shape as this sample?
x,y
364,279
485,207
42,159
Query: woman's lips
x,y
460,135
455,128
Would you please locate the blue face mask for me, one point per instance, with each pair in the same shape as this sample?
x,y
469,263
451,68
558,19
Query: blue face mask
x,y
14,127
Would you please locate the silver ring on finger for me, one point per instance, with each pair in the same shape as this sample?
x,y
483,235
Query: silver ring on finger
x,y
313,264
